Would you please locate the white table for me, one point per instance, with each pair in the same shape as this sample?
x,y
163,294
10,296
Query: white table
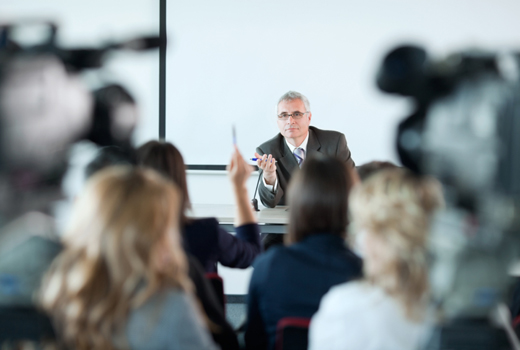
x,y
271,220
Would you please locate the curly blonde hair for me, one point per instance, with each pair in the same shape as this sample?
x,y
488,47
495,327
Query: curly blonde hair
x,y
395,207
122,246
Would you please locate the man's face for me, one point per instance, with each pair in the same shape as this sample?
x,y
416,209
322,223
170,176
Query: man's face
x,y
291,128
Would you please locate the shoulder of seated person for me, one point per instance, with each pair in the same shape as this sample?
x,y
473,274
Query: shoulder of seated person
x,y
348,290
271,145
328,134
165,299
270,255
202,222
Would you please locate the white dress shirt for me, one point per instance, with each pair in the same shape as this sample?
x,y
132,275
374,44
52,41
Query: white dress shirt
x,y
356,315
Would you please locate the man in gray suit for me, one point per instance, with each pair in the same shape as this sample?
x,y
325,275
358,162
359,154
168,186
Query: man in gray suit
x,y
282,155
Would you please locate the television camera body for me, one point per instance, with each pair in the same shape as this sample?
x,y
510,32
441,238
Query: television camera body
x,y
464,131
45,107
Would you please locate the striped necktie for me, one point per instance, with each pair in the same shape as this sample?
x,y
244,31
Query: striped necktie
x,y
299,153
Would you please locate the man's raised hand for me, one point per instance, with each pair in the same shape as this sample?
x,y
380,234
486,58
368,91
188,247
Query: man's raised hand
x,y
268,165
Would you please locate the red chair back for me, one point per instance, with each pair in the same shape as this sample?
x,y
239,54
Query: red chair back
x,y
292,333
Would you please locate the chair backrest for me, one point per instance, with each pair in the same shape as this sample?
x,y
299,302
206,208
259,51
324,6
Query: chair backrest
x,y
218,285
516,325
24,323
292,333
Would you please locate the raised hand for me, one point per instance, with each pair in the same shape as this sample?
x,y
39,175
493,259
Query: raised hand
x,y
238,170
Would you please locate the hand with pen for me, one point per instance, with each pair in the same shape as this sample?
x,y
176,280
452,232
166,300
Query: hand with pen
x,y
268,165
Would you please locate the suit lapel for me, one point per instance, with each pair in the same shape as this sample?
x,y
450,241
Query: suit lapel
x,y
313,145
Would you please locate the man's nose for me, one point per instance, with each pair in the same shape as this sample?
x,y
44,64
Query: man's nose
x,y
290,120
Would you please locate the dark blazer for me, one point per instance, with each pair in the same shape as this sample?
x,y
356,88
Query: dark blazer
x,y
331,143
209,243
290,281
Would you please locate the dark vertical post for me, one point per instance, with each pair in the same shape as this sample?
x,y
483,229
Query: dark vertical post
x,y
162,70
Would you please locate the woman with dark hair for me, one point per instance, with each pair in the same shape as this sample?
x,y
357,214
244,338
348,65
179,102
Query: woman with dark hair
x,y
289,281
204,238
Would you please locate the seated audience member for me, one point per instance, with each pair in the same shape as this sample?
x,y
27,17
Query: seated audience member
x,y
368,169
289,281
121,281
204,238
223,334
387,309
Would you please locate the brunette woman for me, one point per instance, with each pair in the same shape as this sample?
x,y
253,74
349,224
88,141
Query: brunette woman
x,y
204,238
289,281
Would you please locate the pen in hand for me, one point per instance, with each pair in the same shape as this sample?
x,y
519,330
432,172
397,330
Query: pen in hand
x,y
260,159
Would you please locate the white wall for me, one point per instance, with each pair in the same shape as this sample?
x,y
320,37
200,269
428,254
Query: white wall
x,y
230,60
213,187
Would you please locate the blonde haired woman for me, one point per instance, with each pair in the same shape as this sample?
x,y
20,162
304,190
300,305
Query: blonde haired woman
x,y
387,309
121,280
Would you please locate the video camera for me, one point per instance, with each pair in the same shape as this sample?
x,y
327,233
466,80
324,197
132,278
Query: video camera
x,y
464,131
45,107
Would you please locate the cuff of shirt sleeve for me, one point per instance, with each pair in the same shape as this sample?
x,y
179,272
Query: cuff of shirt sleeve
x,y
271,188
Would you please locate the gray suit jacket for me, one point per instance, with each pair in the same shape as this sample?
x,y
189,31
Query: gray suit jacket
x,y
331,143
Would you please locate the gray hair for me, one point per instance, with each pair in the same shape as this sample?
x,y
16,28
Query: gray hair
x,y
293,95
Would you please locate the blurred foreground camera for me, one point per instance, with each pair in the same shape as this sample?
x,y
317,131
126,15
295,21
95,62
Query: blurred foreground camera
x,y
45,107
464,130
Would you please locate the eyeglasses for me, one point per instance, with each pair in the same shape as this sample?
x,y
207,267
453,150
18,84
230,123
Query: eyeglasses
x,y
295,115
